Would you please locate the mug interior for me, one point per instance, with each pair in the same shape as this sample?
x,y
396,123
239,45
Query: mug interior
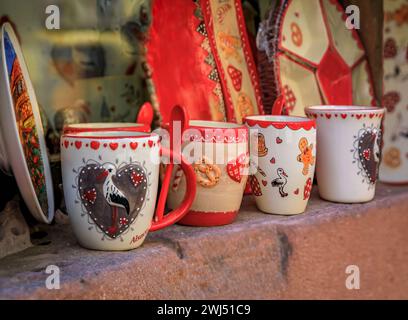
x,y
101,125
110,135
278,119
214,124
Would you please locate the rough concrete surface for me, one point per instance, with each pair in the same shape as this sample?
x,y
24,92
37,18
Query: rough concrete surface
x,y
259,256
14,231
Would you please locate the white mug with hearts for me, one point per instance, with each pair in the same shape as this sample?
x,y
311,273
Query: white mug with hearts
x,y
110,181
282,160
349,140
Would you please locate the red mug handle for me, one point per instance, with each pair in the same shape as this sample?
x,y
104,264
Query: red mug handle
x,y
278,106
178,213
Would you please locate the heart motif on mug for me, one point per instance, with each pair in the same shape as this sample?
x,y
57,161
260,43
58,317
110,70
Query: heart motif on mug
x,y
279,140
111,196
367,153
236,167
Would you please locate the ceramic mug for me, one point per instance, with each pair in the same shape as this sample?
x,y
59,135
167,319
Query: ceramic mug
x,y
219,153
349,140
282,153
110,184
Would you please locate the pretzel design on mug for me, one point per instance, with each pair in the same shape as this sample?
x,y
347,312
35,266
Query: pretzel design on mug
x,y
207,173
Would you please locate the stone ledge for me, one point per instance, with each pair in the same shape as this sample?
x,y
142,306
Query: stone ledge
x,y
258,257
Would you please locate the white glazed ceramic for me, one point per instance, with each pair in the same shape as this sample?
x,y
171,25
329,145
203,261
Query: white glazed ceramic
x,y
110,184
348,153
23,146
283,152
221,168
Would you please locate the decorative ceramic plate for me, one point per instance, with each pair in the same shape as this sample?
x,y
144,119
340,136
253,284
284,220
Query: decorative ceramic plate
x,y
22,131
394,165
313,57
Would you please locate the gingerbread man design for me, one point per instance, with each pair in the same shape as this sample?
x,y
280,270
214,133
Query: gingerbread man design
x,y
306,156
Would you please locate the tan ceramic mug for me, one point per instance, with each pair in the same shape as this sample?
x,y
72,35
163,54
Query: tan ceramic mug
x,y
219,154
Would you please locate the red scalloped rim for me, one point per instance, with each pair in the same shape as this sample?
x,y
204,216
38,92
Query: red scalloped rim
x,y
293,125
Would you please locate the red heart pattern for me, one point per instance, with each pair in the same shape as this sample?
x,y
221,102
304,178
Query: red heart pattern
x,y
113,146
236,77
236,167
95,145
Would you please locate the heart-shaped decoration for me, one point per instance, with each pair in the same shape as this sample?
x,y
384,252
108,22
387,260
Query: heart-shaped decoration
x,y
78,144
366,154
328,115
150,143
279,140
133,145
113,146
236,77
368,149
273,160
265,183
111,196
66,144
344,115
296,191
95,145
236,167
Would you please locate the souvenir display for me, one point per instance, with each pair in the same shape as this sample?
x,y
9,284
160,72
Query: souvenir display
x,y
207,38
309,56
220,162
348,151
394,164
282,159
110,185
23,144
